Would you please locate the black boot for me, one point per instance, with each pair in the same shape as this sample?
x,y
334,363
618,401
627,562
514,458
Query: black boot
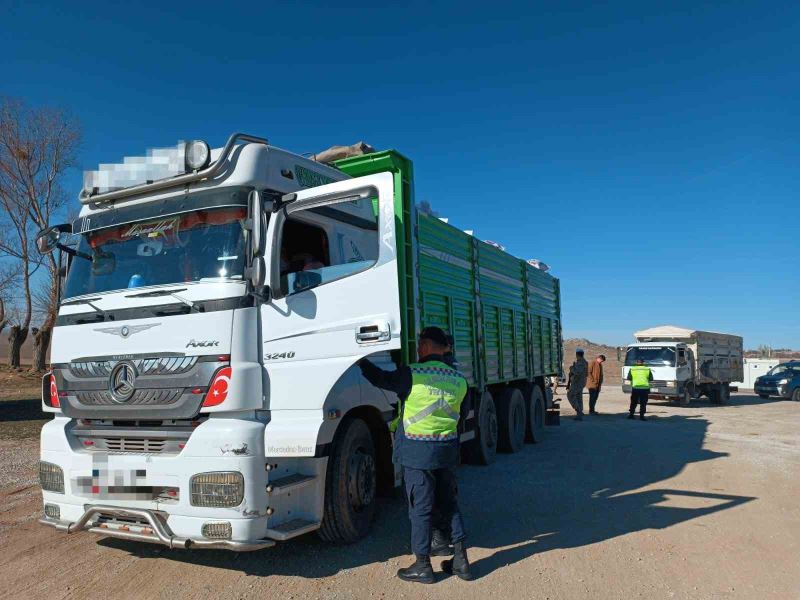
x,y
459,564
440,544
421,571
630,416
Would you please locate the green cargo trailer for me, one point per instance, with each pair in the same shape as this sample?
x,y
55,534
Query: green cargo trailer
x,y
504,315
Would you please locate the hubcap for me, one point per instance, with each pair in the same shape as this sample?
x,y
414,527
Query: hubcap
x,y
361,480
491,430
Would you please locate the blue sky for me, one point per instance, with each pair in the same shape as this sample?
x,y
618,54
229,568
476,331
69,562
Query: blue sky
x,y
649,153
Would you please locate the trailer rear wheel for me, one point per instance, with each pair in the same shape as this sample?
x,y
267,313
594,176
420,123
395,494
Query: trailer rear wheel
x,y
534,430
482,449
350,484
511,418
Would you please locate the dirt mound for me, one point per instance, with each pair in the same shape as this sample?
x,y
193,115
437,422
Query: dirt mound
x,y
612,366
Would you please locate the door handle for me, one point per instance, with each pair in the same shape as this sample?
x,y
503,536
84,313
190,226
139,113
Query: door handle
x,y
375,332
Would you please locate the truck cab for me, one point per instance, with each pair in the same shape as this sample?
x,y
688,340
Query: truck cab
x,y
670,363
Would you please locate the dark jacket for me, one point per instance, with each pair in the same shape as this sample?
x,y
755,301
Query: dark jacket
x,y
411,453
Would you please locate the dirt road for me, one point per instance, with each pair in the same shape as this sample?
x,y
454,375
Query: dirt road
x,y
699,502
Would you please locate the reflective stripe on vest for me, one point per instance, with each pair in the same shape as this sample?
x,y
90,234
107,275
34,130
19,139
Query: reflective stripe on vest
x,y
640,377
431,411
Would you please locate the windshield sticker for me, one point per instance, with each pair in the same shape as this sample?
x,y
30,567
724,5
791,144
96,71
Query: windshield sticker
x,y
152,229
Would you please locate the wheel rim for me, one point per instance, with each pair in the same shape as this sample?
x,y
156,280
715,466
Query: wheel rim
x,y
491,427
361,482
538,414
519,421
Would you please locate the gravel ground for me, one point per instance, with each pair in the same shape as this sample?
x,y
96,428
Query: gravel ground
x,y
698,502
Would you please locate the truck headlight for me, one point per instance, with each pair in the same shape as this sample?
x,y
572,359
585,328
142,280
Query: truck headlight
x,y
670,383
51,477
224,489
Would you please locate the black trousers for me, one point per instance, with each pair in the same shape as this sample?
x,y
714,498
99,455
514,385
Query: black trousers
x,y
593,394
432,501
639,396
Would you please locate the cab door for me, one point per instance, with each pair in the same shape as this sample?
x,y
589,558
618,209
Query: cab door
x,y
331,260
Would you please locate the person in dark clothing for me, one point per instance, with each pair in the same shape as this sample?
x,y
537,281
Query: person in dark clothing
x,y
595,382
426,446
640,377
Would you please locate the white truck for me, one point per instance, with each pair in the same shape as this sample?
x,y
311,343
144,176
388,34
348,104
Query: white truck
x,y
686,363
204,383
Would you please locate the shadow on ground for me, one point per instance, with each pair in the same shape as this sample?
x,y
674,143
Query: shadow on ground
x,y
581,485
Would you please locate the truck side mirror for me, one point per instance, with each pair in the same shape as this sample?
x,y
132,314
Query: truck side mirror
x,y
255,221
47,239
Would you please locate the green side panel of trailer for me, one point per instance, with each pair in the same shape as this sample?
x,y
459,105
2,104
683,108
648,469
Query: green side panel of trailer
x,y
504,314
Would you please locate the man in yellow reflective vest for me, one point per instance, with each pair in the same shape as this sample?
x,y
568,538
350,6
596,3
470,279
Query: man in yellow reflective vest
x,y
640,377
426,446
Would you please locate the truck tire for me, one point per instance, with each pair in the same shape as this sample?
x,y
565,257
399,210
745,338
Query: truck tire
x,y
511,417
534,430
350,484
482,449
686,396
717,393
796,394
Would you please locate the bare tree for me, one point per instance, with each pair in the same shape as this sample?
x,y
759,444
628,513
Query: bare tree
x,y
37,146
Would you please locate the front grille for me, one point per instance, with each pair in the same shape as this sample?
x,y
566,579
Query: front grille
x,y
151,397
658,383
136,445
163,365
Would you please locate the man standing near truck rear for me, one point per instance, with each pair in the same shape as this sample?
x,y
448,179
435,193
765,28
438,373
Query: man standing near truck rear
x,y
595,382
577,380
426,445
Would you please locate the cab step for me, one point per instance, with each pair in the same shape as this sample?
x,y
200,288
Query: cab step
x,y
291,529
289,483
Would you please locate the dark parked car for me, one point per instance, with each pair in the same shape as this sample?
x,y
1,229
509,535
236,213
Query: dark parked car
x,y
782,380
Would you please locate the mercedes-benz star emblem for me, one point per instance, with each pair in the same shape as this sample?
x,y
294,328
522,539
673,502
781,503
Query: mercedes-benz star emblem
x,y
126,330
121,382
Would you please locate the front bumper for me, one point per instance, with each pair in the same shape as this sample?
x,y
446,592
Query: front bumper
x,y
90,500
665,392
143,525
782,391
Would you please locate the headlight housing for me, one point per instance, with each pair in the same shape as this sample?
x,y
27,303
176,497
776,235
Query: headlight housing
x,y
223,489
783,382
51,477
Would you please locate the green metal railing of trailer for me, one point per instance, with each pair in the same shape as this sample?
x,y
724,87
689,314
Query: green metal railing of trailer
x,y
504,314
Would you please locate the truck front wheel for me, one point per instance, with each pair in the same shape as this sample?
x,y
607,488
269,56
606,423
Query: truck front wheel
x,y
350,484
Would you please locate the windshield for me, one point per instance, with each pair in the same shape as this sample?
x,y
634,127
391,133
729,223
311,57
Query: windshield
x,y
790,370
654,356
194,246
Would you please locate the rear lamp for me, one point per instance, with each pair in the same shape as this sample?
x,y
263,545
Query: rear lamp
x,y
219,530
52,511
218,390
223,489
51,477
198,155
50,396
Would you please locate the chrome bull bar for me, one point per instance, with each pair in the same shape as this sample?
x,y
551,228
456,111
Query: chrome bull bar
x,y
156,531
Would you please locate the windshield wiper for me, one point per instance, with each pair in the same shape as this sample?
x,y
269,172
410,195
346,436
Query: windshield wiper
x,y
88,301
172,293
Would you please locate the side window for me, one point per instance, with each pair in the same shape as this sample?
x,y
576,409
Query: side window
x,y
320,245
682,356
